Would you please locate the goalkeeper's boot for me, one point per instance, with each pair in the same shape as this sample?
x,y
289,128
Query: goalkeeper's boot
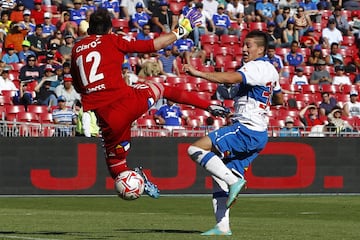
x,y
216,232
218,111
234,190
150,188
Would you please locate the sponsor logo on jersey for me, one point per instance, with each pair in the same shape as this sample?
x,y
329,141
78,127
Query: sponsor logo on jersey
x,y
92,44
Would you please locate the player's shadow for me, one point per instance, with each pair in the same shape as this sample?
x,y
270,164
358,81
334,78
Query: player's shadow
x,y
158,231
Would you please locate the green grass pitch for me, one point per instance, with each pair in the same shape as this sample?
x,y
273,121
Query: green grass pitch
x,y
288,217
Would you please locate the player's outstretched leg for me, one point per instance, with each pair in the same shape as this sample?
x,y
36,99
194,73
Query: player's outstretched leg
x,y
150,188
192,98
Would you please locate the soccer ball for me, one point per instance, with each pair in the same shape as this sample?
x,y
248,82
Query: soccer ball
x,y
129,185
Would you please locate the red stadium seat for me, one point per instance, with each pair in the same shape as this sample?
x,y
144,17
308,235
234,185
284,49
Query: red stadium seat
x,y
46,117
222,61
176,7
50,8
310,88
5,100
207,87
175,80
120,24
229,40
27,117
185,86
37,109
211,39
257,26
145,122
348,41
196,62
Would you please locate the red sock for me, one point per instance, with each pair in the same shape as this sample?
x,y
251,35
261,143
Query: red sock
x,y
184,97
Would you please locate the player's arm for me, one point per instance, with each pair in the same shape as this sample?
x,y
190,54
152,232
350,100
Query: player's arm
x,y
185,26
217,77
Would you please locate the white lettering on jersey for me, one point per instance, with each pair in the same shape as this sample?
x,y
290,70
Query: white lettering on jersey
x,y
92,44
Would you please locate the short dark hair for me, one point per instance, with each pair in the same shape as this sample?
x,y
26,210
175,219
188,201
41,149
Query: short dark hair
x,y
260,38
100,22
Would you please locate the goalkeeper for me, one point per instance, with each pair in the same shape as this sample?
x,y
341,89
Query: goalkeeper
x,y
96,70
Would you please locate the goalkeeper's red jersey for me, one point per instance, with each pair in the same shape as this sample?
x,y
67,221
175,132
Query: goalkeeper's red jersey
x,y
96,67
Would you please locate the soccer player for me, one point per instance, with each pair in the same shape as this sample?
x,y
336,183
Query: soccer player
x,y
227,152
97,76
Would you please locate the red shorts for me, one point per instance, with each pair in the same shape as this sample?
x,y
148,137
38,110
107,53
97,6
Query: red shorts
x,y
115,119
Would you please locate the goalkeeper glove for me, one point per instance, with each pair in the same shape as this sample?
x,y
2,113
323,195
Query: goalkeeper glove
x,y
191,19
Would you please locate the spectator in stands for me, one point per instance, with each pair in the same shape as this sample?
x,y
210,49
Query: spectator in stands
x,y
58,57
289,130
328,103
150,67
65,24
292,4
44,94
265,11
320,75
25,51
274,59
10,56
128,8
294,58
282,18
64,116
170,116
59,74
309,39
58,39
16,14
38,41
65,50
164,19
113,8
78,13
335,57
210,7
227,91
302,21
341,22
37,14
221,21
68,91
273,34
15,36
26,22
168,62
235,10
299,78
207,24
30,71
144,33
86,123
185,48
4,25
352,107
84,24
129,77
331,34
23,96
311,10
340,77
289,34
90,5
5,82
316,55
335,120
140,18
309,116
48,28
249,11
